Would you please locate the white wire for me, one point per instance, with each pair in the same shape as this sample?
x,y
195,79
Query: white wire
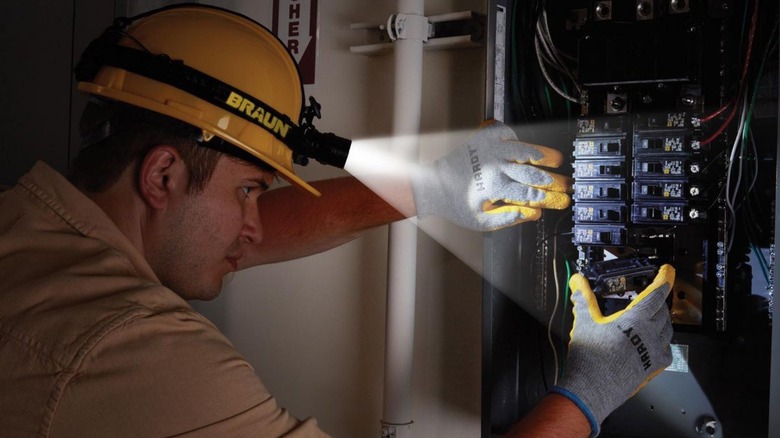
x,y
547,53
557,297
549,48
729,199
547,76
755,160
732,157
551,52
741,163
546,29
555,306
543,28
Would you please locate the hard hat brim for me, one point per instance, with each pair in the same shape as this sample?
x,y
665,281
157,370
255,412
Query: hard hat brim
x,y
179,111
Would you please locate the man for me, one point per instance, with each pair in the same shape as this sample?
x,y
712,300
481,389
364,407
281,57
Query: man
x,y
168,196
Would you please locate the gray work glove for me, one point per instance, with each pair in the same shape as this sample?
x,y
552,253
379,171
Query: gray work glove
x,y
611,358
490,182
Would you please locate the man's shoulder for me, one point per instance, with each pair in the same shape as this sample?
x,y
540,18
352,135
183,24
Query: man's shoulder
x,y
63,314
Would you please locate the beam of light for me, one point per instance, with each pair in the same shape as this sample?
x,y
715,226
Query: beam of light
x,y
376,164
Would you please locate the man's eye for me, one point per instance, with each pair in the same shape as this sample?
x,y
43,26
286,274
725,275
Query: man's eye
x,y
247,190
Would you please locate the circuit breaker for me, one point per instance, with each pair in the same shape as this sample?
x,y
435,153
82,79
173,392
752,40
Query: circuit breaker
x,y
667,110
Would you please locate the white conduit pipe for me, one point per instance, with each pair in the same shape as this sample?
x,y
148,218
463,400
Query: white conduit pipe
x,y
402,257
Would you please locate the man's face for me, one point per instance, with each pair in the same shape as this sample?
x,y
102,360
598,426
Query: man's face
x,y
206,232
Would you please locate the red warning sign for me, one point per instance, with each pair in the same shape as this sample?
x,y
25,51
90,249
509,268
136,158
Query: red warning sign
x,y
295,23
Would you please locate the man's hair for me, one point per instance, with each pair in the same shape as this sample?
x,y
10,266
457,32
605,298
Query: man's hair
x,y
116,135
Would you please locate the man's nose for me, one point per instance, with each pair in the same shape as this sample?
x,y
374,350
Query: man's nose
x,y
252,231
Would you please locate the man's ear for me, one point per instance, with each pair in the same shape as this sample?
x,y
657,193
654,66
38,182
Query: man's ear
x,y
162,173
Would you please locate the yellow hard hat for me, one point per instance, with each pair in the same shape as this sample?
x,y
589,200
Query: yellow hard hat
x,y
208,67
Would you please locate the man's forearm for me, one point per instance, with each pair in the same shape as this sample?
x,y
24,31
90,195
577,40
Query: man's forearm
x,y
297,224
554,417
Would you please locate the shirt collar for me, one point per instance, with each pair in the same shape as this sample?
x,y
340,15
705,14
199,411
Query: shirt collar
x,y
82,214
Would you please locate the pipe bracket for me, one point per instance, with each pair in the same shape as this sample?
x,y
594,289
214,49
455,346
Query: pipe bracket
x,y
447,31
409,27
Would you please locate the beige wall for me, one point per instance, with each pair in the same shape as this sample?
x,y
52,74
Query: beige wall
x,y
314,328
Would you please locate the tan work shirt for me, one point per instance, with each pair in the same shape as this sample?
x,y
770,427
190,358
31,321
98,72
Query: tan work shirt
x,y
92,345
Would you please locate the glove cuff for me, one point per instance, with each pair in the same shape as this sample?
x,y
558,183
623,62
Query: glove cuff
x,y
594,425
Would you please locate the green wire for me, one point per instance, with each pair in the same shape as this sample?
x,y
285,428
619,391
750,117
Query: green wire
x,y
749,218
761,261
565,296
549,99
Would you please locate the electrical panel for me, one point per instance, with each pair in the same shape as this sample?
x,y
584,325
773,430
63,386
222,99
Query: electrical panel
x,y
668,111
649,164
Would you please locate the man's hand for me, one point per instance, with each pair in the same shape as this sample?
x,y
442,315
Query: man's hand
x,y
491,182
611,358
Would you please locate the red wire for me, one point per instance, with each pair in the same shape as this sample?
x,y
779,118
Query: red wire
x,y
720,130
751,35
718,112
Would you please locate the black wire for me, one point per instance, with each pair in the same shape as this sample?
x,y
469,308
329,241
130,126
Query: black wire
x,y
539,243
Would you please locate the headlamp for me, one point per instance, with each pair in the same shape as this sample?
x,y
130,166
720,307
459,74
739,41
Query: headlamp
x,y
306,142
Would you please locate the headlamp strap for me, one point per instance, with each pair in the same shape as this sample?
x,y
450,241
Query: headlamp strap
x,y
175,73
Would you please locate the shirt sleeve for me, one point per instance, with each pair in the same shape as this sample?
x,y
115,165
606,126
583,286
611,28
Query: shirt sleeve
x,y
170,374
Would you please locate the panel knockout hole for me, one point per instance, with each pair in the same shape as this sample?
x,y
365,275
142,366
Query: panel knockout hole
x,y
603,10
679,5
644,9
707,425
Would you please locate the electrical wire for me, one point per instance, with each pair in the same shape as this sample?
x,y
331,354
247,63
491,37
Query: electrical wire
x,y
729,198
744,133
747,132
731,101
755,162
568,103
554,311
718,112
547,75
563,316
539,243
543,31
761,262
546,31
548,99
741,89
557,298
722,127
752,242
548,54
